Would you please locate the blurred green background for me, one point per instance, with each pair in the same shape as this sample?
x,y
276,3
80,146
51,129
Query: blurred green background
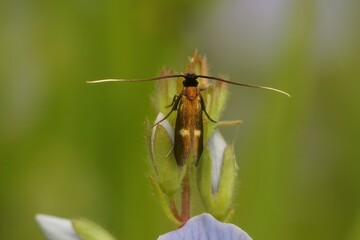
x,y
72,149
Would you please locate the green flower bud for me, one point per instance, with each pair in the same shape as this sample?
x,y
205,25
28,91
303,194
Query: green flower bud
x,y
166,172
217,177
89,230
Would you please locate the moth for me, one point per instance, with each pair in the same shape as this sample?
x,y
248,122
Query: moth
x,y
190,107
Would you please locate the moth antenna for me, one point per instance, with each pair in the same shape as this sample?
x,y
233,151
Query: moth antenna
x,y
245,84
137,80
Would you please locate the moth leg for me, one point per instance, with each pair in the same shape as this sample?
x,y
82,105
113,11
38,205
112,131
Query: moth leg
x,y
174,105
173,101
204,109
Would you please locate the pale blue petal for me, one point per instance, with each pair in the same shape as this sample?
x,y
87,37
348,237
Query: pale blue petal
x,y
55,228
217,146
206,227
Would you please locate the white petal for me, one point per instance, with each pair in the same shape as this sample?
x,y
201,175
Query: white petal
x,y
217,146
55,228
166,125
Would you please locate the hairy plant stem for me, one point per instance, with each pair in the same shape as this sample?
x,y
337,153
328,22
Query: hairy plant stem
x,y
173,208
185,203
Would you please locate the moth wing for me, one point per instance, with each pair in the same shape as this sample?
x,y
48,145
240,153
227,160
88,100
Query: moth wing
x,y
197,131
182,142
189,130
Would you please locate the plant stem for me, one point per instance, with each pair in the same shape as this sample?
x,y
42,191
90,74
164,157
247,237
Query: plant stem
x,y
185,204
173,208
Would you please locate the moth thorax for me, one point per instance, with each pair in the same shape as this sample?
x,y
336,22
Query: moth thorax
x,y
191,92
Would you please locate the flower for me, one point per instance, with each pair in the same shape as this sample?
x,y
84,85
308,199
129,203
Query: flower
x,y
206,227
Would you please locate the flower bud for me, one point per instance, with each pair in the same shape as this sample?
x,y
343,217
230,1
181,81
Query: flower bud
x,y
55,228
217,177
166,171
